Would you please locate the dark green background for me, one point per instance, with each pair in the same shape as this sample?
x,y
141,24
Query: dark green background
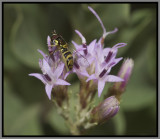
x,y
28,111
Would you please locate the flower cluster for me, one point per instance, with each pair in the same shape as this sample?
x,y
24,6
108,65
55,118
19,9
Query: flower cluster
x,y
53,73
100,59
92,64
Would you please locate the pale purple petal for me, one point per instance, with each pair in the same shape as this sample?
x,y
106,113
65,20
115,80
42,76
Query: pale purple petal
x,y
48,88
76,45
112,78
58,71
39,76
82,62
99,44
114,53
90,59
47,69
111,64
117,60
79,51
106,51
92,77
51,49
40,63
84,73
109,69
97,68
43,54
100,87
69,72
91,46
62,82
100,54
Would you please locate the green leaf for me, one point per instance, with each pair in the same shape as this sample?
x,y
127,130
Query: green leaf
x,y
10,61
151,58
27,122
9,17
153,108
25,36
18,118
135,34
138,98
12,106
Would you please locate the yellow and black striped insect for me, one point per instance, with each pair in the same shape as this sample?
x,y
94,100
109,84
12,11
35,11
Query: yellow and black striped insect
x,y
62,47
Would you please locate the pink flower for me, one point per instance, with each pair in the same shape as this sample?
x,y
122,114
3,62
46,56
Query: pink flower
x,y
52,73
101,60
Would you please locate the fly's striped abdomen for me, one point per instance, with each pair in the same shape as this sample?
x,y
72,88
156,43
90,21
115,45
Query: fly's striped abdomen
x,y
68,58
63,50
60,43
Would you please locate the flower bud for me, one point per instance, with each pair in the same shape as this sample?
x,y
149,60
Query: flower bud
x,y
105,110
125,72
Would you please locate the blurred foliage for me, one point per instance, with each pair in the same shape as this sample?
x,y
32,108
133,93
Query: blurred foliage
x,y
27,110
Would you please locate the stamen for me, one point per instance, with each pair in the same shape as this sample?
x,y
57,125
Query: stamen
x,y
119,45
104,30
110,32
108,56
102,73
111,64
47,77
76,64
102,40
81,36
85,51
